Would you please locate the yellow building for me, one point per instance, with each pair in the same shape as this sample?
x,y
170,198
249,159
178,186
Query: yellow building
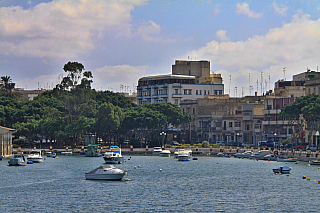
x,y
6,141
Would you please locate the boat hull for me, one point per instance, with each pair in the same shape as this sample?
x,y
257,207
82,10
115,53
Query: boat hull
x,y
35,160
104,176
315,162
10,163
113,160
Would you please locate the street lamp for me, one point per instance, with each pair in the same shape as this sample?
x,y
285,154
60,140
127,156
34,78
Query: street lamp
x,y
238,138
317,135
164,135
275,135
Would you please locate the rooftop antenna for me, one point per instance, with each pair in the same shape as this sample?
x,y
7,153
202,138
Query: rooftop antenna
x,y
249,84
269,82
257,86
284,73
261,82
230,85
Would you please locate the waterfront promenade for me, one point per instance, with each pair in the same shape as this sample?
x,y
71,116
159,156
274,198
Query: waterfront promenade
x,y
300,154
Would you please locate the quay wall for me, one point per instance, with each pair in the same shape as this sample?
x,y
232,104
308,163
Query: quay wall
x,y
301,155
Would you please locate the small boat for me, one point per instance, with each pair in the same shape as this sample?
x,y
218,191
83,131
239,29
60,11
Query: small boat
x,y
282,170
314,162
259,155
35,156
184,155
17,160
286,159
108,172
220,154
156,150
270,157
113,155
176,151
165,153
66,153
245,154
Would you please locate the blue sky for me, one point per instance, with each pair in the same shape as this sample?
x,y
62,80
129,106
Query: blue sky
x,y
122,41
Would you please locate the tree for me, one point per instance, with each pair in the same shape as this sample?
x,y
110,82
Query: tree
x,y
6,84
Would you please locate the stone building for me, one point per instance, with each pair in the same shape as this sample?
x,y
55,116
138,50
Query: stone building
x,y
6,141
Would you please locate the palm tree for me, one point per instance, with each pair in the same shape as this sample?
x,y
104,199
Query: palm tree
x,y
6,84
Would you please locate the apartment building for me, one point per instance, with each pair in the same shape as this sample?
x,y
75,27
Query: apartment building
x,y
189,80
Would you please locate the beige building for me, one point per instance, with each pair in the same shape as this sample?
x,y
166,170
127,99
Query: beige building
x,y
6,141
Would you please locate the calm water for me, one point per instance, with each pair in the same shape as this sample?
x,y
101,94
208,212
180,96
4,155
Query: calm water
x,y
209,184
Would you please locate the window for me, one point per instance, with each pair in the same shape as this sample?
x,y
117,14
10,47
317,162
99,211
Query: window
x,y
248,127
269,107
193,110
176,92
257,126
185,92
208,92
230,124
200,92
215,92
196,92
176,101
205,92
190,91
237,124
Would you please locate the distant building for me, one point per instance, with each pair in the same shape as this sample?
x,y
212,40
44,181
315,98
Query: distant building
x,y
29,94
189,80
6,141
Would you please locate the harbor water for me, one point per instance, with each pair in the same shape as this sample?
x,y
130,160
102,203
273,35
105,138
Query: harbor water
x,y
159,184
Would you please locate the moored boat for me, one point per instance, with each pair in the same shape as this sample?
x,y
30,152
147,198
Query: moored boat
x,y
245,154
35,156
156,150
259,155
113,155
270,157
184,155
17,160
176,151
108,172
165,153
314,162
282,170
286,159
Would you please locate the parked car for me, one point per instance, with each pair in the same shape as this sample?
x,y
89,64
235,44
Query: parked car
x,y
175,143
247,144
313,147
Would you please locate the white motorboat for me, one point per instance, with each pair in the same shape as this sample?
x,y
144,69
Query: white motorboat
x,y
17,160
165,153
245,154
259,155
176,151
35,156
270,157
108,172
314,162
66,153
286,159
184,155
156,150
113,156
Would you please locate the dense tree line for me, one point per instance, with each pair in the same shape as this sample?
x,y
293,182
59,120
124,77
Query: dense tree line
x,y
73,108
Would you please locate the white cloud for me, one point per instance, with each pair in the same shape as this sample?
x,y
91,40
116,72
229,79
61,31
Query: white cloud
x,y
216,9
294,45
280,10
244,9
62,27
148,29
221,34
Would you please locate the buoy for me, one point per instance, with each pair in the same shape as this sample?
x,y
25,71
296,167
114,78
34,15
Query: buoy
x,y
127,179
303,177
319,182
56,157
318,167
160,170
217,163
29,162
308,179
139,166
45,158
268,159
314,180
135,167
307,164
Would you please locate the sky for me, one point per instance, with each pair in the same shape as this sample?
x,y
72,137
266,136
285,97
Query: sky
x,y
252,44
